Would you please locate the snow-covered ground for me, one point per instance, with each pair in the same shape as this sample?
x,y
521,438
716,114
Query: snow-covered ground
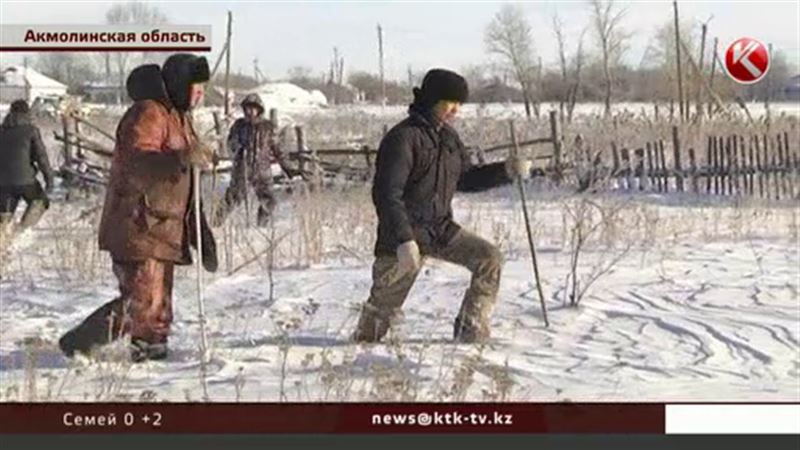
x,y
702,305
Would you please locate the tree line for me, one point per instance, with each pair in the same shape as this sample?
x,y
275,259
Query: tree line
x,y
590,65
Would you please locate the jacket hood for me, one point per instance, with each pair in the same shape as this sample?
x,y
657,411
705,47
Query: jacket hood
x,y
145,83
16,119
253,100
179,72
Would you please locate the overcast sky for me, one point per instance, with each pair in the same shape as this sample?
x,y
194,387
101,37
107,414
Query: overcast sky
x,y
420,34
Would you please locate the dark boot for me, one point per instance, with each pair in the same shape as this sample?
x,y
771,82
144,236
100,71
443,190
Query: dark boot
x,y
6,229
33,213
467,333
262,219
103,326
142,350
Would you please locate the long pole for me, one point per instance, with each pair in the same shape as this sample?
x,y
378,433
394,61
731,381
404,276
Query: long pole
x,y
380,56
713,71
228,66
524,198
678,61
768,96
702,67
198,263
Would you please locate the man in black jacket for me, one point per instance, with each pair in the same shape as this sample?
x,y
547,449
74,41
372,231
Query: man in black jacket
x,y
421,164
22,155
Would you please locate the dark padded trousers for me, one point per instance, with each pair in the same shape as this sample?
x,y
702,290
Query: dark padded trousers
x,y
143,309
390,289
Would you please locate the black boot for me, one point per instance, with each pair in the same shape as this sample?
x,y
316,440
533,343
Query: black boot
x,y
467,333
33,213
142,350
101,327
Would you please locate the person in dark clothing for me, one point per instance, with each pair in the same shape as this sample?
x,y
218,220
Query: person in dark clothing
x,y
252,143
22,156
421,164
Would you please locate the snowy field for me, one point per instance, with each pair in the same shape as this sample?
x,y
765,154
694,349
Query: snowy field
x,y
696,300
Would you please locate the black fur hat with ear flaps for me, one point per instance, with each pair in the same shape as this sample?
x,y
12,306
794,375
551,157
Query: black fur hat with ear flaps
x,y
441,84
179,72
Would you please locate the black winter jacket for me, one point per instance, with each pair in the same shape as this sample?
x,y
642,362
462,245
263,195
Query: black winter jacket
x,y
418,170
22,152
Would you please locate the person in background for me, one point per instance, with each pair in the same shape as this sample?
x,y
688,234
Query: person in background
x,y
251,142
22,157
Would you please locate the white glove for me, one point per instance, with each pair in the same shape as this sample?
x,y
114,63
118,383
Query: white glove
x,y
516,167
408,257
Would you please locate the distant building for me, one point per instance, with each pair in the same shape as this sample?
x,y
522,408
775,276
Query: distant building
x,y
19,82
101,92
791,90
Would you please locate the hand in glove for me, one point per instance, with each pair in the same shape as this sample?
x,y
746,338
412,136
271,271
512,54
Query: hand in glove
x,y
408,257
516,167
200,156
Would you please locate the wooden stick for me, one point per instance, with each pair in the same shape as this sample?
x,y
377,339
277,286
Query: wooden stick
x,y
711,144
664,176
676,154
640,172
204,353
77,118
650,169
693,170
523,197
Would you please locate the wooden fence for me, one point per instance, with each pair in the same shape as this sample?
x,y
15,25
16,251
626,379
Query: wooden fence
x,y
762,165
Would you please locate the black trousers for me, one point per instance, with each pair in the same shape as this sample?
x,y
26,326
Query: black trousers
x,y
10,196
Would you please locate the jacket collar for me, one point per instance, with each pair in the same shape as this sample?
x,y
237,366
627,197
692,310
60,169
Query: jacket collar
x,y
425,116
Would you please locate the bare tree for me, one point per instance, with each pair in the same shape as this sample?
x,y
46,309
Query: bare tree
x,y
131,13
72,69
575,88
611,39
563,87
509,36
570,72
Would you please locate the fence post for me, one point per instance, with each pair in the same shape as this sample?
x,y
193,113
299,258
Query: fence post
x,y
663,162
640,167
725,164
774,169
78,146
759,166
301,151
67,148
367,158
693,170
765,166
734,166
614,162
556,138
749,171
710,143
650,178
676,155
717,152
273,117
783,154
793,167
626,168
